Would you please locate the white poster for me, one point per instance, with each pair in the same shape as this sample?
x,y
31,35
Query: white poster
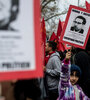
x,y
77,27
17,35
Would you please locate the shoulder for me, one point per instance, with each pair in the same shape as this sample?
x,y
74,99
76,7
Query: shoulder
x,y
79,87
81,54
55,55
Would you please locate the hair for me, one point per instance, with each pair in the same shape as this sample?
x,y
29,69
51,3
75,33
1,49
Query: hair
x,y
15,2
81,17
52,44
14,12
77,69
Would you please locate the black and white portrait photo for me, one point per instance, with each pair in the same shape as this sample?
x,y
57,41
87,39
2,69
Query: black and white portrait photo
x,y
8,13
78,24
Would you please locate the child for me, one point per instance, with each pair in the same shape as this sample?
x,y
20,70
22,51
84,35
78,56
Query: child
x,y
69,90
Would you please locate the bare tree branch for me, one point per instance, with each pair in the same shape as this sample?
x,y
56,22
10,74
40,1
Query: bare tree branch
x,y
43,1
46,4
56,15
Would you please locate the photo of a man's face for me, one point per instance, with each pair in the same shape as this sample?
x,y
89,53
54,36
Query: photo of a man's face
x,y
5,7
78,24
8,9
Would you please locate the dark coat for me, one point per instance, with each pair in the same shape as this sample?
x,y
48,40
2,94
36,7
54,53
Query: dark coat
x,y
73,29
82,59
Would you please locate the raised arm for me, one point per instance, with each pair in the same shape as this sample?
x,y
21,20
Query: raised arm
x,y
65,75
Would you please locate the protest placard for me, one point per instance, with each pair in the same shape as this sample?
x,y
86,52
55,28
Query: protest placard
x,y
77,27
20,50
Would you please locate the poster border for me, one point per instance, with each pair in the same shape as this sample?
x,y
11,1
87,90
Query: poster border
x,y
65,25
38,72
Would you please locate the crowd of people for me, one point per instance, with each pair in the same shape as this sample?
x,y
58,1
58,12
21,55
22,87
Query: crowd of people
x,y
66,77
66,74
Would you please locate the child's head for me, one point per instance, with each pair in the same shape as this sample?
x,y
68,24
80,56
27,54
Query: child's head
x,y
75,74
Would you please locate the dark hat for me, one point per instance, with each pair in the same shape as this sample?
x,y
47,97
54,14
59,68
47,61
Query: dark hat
x,y
76,68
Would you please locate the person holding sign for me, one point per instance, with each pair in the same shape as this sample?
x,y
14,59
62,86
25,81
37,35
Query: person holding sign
x,y
81,58
70,74
78,23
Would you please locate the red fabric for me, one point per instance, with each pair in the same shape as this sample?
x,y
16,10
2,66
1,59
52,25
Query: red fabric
x,y
43,31
66,61
43,36
53,37
87,5
59,30
48,56
62,23
60,47
67,46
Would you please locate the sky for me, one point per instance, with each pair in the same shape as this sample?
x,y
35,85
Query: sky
x,y
64,5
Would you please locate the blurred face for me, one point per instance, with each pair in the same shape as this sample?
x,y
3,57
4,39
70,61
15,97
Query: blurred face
x,y
5,11
74,78
78,24
47,48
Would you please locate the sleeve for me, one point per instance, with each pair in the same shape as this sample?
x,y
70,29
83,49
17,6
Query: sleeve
x,y
86,98
64,78
56,64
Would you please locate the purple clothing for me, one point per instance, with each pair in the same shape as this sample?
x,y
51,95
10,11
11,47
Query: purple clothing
x,y
66,90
